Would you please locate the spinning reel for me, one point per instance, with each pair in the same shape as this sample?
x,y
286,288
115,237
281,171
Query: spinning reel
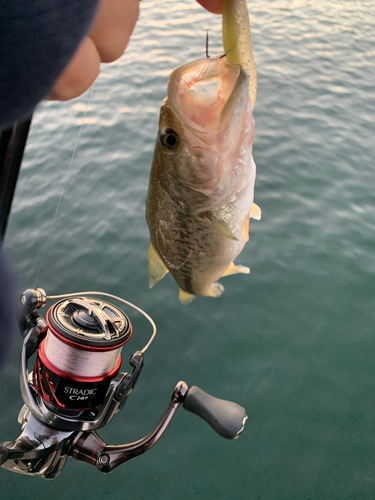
x,y
76,387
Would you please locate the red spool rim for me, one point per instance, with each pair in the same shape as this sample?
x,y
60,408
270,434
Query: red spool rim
x,y
85,347
63,374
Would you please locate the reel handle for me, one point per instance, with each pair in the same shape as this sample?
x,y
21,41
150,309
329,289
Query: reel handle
x,y
226,418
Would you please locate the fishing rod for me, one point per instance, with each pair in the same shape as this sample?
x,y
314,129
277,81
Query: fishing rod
x,y
12,146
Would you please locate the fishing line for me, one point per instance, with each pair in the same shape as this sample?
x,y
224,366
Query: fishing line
x,y
63,188
104,294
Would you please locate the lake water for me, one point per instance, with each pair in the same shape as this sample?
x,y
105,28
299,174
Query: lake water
x,y
293,342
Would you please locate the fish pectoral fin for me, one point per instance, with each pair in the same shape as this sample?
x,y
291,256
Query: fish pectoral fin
x,y
216,289
222,228
245,229
255,212
233,269
156,267
185,297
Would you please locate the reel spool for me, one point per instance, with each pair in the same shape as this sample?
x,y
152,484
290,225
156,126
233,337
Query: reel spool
x,y
81,353
76,387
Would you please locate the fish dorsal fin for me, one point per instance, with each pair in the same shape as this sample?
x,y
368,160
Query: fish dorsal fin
x,y
233,269
186,298
255,212
222,228
156,267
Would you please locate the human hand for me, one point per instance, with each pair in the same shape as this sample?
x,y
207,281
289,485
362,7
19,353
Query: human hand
x,y
106,42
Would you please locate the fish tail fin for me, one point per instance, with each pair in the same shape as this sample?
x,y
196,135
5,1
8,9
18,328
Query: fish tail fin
x,y
156,268
233,269
216,289
185,297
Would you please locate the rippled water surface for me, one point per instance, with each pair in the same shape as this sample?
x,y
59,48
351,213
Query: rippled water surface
x,y
294,341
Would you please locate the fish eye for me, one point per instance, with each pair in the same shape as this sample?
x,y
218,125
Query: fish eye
x,y
169,138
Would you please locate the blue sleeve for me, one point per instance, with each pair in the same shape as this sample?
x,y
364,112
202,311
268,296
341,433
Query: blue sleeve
x,y
37,39
7,307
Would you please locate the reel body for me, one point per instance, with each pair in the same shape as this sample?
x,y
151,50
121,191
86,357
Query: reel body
x,y
76,388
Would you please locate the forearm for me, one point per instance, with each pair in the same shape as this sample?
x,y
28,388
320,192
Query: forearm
x,y
37,40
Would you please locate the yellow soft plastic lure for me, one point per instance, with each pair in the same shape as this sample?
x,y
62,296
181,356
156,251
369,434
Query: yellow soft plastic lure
x,y
237,40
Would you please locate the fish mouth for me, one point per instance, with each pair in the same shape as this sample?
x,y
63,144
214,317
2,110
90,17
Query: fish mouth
x,y
204,94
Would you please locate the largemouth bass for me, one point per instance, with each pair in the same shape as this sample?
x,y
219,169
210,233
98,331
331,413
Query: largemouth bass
x,y
201,189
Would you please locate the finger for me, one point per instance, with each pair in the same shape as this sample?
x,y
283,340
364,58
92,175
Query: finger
x,y
80,73
215,6
113,25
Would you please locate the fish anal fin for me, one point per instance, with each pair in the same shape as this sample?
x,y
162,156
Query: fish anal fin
x,y
185,297
222,228
255,212
233,269
216,289
156,267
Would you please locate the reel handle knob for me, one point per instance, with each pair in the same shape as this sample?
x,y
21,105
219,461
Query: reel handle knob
x,y
226,418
